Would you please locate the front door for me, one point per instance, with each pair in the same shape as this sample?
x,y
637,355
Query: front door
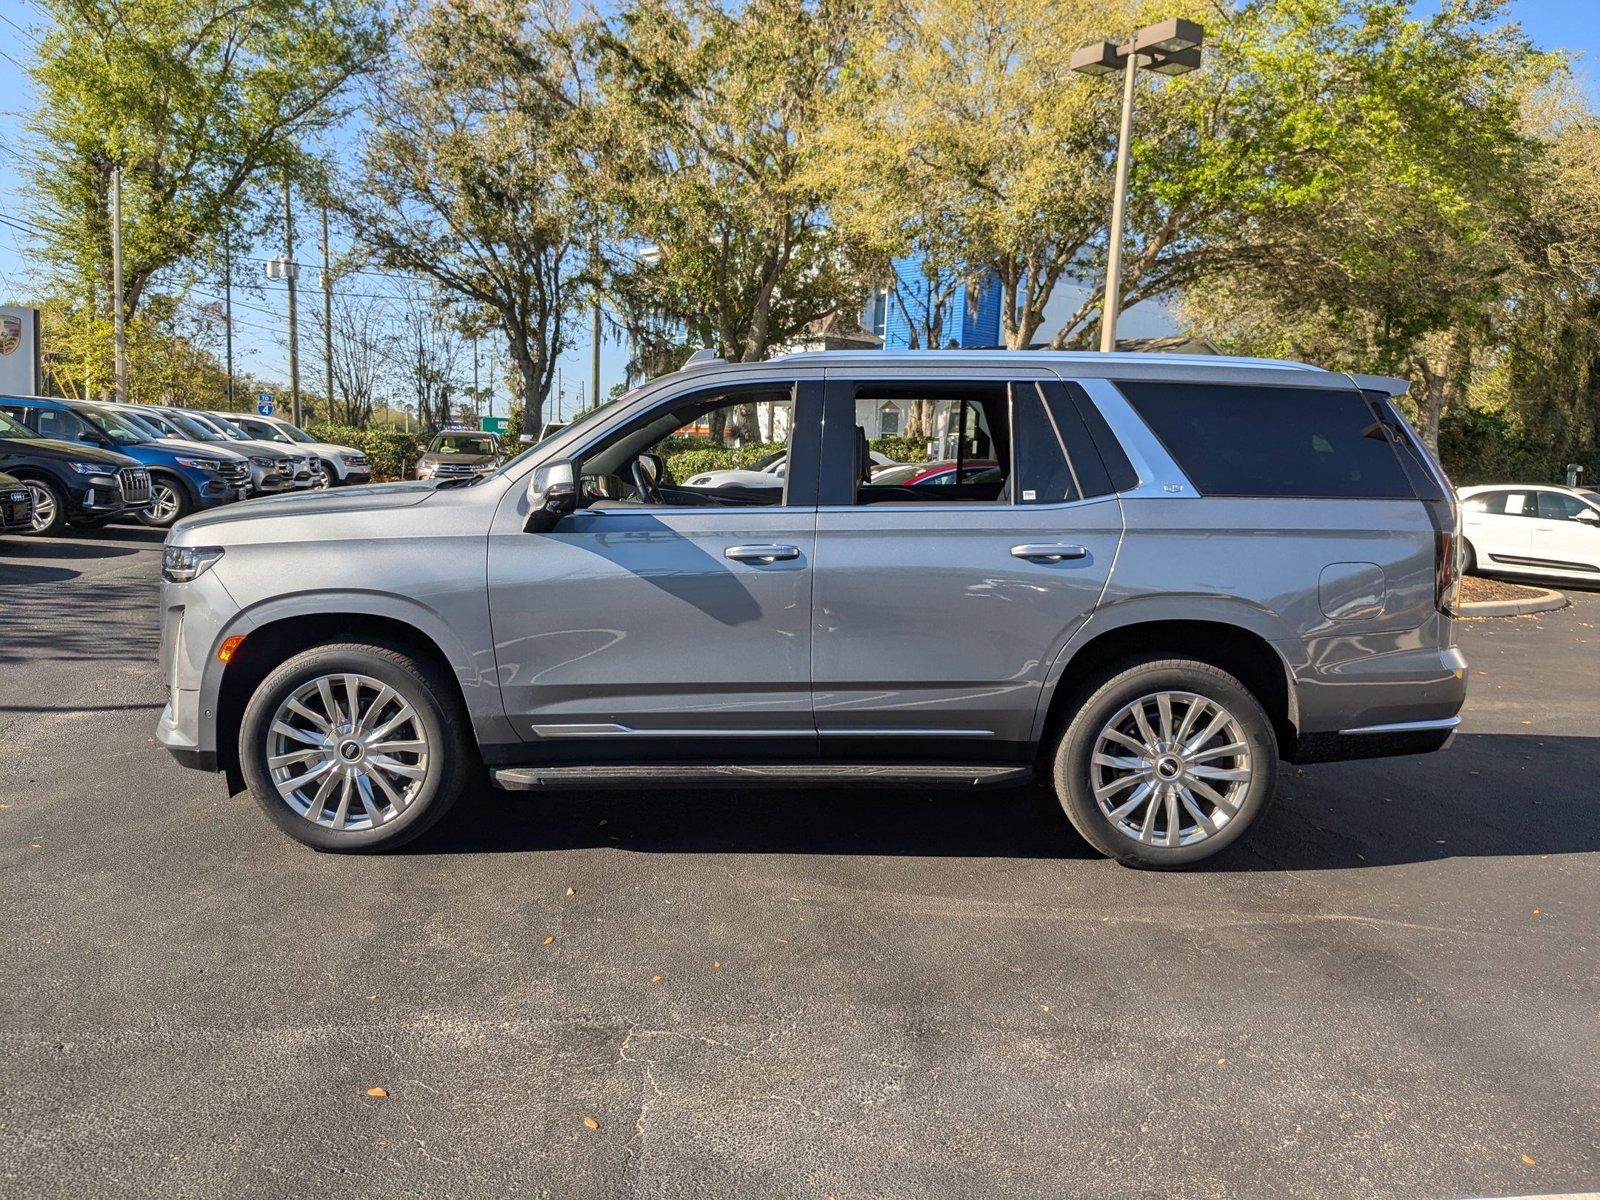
x,y
944,590
1566,535
663,621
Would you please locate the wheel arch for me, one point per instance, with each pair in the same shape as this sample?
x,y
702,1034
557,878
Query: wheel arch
x,y
1232,646
176,476
277,637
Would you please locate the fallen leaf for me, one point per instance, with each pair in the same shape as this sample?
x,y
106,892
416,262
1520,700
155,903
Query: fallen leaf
x,y
655,979
1536,912
1222,1062
1044,1008
548,939
1527,1160
570,892
716,966
377,1093
591,1123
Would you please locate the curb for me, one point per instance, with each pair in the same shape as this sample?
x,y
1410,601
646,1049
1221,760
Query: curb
x,y
1547,600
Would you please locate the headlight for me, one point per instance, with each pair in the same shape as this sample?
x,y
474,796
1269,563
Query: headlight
x,y
354,459
698,480
92,468
200,464
181,564
261,460
424,471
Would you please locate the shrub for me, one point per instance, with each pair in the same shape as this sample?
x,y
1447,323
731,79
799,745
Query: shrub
x,y
392,453
902,449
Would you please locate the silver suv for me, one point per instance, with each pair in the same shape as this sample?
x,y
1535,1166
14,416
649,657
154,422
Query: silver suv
x,y
1150,578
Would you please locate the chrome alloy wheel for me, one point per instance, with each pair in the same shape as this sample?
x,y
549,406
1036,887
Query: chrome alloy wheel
x,y
347,752
44,506
163,508
1170,769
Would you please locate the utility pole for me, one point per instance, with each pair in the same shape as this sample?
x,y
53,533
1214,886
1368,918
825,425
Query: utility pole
x,y
117,321
327,312
294,331
594,350
227,308
477,396
1112,303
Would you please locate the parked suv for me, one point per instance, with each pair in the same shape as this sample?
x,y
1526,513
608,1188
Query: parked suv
x,y
70,482
340,464
182,479
457,453
1180,571
1532,529
272,468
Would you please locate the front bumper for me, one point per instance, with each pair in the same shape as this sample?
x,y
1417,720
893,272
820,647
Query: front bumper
x,y
16,510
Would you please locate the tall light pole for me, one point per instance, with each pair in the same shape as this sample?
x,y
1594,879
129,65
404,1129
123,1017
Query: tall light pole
x,y
1167,48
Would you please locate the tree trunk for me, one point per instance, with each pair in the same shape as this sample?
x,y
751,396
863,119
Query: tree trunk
x,y
528,368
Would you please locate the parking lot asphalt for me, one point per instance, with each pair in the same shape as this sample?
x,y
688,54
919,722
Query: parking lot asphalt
x,y
1391,990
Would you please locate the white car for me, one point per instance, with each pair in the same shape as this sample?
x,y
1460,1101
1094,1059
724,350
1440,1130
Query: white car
x,y
766,473
1532,529
340,464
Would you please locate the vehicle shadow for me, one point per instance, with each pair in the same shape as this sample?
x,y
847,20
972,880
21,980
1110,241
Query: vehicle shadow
x,y
32,626
38,549
1491,795
22,574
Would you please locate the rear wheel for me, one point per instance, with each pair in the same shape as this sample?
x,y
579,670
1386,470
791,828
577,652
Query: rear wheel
x,y
1469,559
355,747
49,507
1166,763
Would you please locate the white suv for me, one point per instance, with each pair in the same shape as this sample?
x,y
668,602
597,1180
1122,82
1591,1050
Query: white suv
x,y
1532,529
340,464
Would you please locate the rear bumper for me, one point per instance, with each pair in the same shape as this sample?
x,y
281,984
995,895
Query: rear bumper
x,y
1378,741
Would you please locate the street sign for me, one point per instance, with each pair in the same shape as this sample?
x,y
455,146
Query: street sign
x,y
496,425
264,403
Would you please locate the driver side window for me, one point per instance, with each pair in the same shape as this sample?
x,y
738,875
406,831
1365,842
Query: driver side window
x,y
727,450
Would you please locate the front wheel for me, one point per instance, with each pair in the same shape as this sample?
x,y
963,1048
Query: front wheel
x,y
49,507
1166,763
168,503
354,747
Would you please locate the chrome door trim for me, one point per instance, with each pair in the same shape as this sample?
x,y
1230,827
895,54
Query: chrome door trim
x,y
1406,727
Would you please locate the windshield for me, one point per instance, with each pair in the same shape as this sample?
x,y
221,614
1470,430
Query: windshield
x,y
461,443
119,430
197,428
158,425
229,429
264,430
10,429
291,432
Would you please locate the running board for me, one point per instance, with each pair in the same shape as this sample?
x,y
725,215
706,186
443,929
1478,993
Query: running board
x,y
672,775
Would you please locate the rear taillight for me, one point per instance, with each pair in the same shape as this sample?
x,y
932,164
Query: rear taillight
x,y
1446,569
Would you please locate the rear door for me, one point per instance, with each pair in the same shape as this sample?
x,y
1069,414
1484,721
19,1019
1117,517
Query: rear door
x,y
938,609
1499,525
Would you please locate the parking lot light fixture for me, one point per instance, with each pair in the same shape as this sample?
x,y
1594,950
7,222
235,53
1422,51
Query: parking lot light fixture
x,y
1169,47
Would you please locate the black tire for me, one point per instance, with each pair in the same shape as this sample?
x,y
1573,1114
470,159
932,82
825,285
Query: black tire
x,y
1469,559
185,503
58,502
1120,687
330,475
452,760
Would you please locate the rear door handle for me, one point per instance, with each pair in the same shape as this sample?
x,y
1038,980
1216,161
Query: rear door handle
x,y
1048,553
766,554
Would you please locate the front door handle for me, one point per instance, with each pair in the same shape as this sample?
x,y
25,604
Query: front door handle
x,y
766,554
1048,553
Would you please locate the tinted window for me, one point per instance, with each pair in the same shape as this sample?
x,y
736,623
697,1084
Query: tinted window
x,y
57,423
1102,466
1556,506
1272,441
1044,470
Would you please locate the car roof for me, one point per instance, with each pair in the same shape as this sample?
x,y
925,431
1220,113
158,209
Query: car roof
x,y
1521,487
1147,365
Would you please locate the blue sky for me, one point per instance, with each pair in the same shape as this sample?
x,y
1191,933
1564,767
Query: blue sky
x,y
261,345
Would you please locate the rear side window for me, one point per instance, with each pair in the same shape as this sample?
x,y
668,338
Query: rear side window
x,y
1237,440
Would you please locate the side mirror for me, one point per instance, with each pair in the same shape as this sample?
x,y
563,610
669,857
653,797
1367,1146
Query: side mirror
x,y
1588,516
552,494
655,465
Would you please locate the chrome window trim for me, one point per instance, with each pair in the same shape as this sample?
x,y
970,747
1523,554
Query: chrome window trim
x,y
1160,477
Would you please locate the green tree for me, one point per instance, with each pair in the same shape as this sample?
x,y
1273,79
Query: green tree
x,y
467,174
196,100
708,122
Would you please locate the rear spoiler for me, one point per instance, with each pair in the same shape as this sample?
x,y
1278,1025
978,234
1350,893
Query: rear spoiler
x,y
1380,383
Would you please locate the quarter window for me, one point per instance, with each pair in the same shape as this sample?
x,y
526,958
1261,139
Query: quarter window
x,y
1557,506
1272,441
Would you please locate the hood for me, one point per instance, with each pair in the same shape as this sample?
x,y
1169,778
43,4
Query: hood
x,y
264,449
376,497
328,449
201,449
77,451
9,481
471,460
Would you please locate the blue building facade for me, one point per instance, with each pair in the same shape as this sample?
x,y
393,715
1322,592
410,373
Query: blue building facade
x,y
969,318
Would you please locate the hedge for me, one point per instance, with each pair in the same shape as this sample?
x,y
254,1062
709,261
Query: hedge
x,y
688,457
392,453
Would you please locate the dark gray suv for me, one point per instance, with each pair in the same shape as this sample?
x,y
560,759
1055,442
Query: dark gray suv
x,y
1162,576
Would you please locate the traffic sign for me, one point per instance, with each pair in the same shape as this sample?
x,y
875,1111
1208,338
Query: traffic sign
x,y
264,403
496,425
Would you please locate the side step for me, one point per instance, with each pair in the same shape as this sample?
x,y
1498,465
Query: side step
x,y
806,774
